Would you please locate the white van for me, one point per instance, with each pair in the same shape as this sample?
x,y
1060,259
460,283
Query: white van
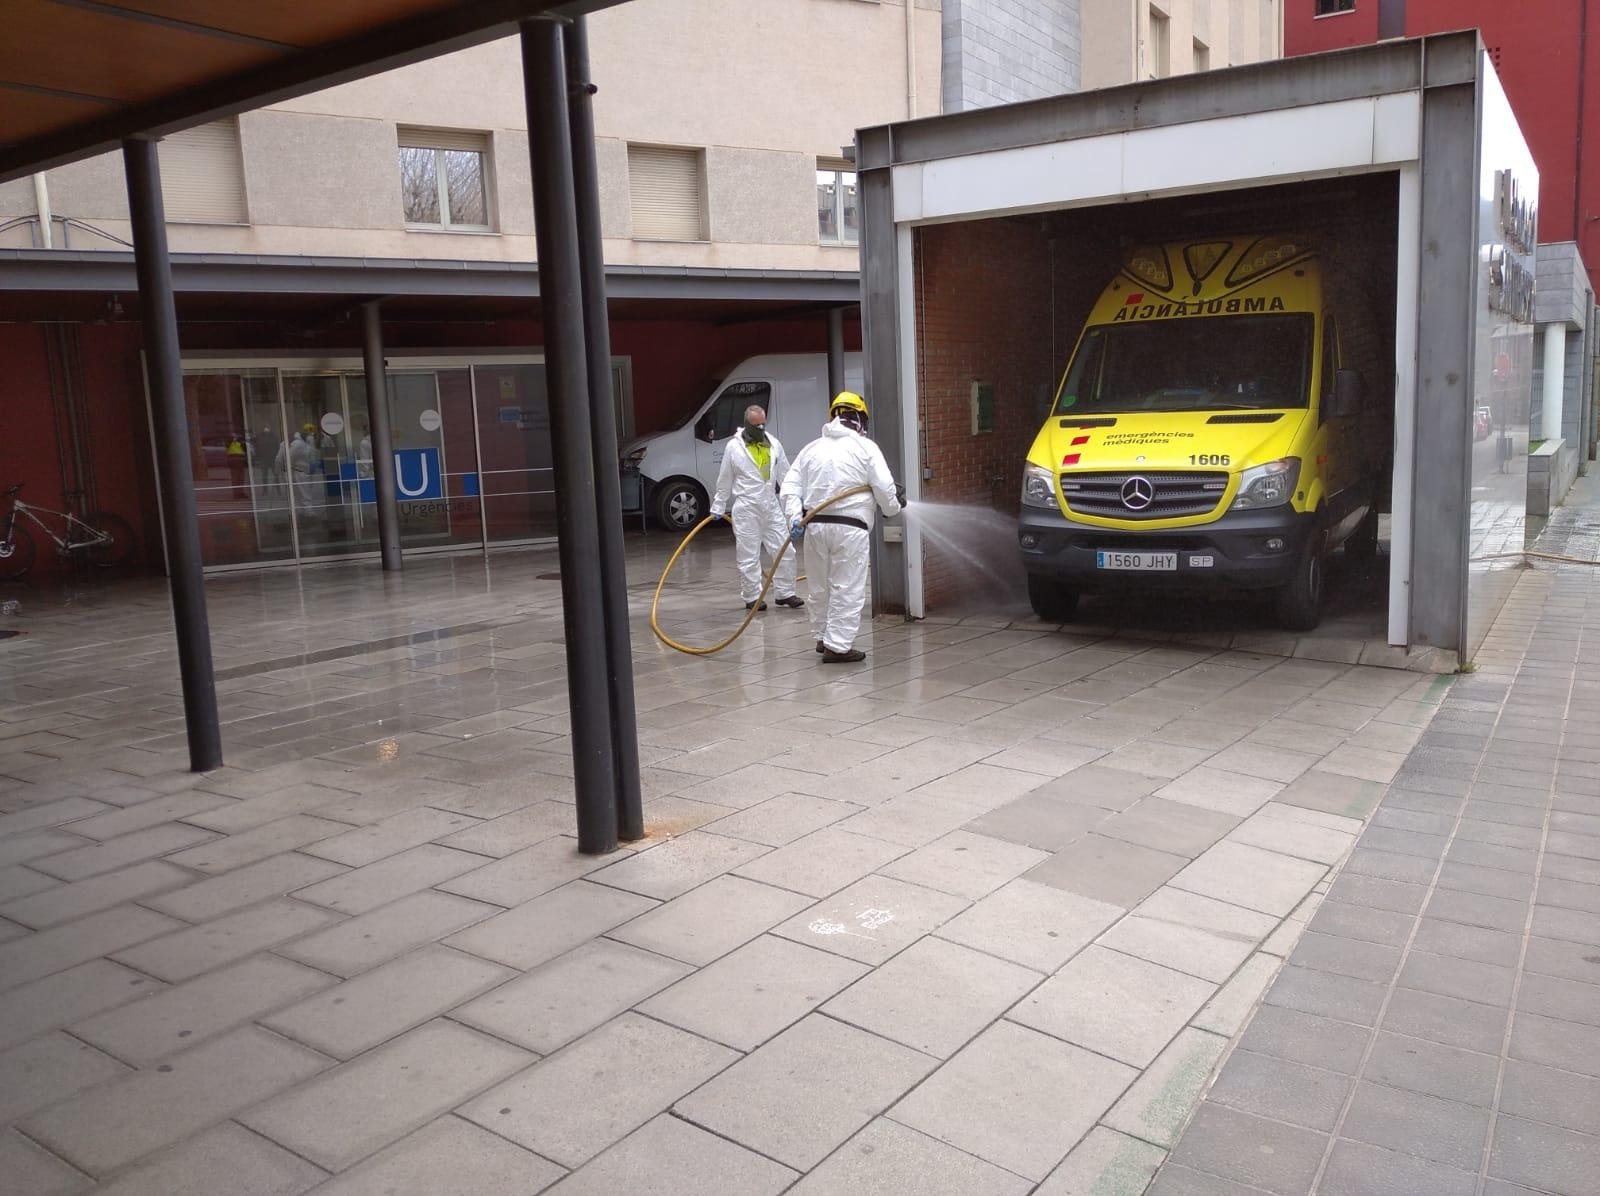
x,y
671,475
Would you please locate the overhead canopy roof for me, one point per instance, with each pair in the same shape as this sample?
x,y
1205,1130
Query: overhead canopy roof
x,y
79,76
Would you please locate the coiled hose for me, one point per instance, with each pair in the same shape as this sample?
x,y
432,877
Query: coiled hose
x,y
765,585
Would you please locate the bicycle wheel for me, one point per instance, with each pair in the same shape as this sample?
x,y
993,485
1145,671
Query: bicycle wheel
x,y
116,552
16,558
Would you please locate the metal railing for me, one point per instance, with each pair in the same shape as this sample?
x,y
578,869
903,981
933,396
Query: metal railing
x,y
67,223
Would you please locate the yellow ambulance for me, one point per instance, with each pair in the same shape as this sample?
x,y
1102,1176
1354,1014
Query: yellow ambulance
x,y
1210,432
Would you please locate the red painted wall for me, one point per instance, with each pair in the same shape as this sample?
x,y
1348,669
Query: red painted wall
x,y
1536,50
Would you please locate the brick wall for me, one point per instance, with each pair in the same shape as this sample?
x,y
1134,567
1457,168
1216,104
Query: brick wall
x,y
1000,51
983,315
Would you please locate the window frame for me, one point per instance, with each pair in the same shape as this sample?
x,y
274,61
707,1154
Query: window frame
x,y
1348,7
415,139
696,157
839,167
1160,47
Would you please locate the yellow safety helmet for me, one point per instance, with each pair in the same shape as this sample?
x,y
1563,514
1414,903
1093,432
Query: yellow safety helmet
x,y
848,400
309,429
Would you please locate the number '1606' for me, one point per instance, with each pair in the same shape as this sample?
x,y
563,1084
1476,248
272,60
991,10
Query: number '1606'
x,y
1211,459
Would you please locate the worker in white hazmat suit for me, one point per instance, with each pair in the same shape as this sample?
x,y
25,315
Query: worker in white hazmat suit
x,y
753,467
838,539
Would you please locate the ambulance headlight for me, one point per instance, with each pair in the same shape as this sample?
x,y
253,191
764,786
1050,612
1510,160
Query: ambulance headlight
x,y
1268,485
1038,486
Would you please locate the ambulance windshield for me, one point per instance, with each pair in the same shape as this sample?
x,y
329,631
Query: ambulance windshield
x,y
1192,363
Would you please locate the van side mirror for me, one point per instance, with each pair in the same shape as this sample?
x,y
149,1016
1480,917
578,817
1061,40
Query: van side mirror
x,y
704,425
1346,402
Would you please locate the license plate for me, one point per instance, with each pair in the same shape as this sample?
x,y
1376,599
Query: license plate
x,y
1161,562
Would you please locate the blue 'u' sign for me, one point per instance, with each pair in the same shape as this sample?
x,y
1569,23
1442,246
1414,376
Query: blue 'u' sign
x,y
417,477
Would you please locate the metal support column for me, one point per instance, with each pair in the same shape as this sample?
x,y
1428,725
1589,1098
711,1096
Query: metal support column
x,y
173,461
835,350
603,434
382,438
555,217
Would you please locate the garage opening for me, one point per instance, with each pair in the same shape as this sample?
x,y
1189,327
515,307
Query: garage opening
x,y
1000,305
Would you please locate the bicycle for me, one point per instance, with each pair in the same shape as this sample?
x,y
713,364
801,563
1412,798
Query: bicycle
x,y
103,539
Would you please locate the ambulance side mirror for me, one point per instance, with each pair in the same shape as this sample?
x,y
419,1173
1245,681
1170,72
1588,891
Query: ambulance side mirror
x,y
1346,402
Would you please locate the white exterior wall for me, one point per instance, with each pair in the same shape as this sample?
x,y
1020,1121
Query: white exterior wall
x,y
1117,44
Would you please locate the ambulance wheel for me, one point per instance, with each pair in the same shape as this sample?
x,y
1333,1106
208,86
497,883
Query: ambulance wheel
x,y
1298,605
1051,600
679,504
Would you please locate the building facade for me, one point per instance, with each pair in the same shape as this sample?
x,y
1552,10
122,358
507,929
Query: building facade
x,y
1544,55
730,225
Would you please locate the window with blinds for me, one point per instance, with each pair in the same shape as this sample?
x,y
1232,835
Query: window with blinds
x,y
667,188
202,175
444,178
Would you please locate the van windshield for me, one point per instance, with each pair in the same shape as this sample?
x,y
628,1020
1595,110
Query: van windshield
x,y
1196,363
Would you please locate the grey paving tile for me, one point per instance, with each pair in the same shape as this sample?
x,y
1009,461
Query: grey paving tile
x,y
1168,904
200,948
232,851
1347,957
116,1123
1448,1020
934,996
446,1157
708,922
1569,1045
1174,827
566,998
333,1120
368,844
46,1069
360,1013
1231,793
65,902
1043,821
1213,957
1248,876
1174,1180
783,819
187,1014
1475,943
1442,1131
667,1156
1227,1012
1434,1069
61,947
173,806
872,919
1569,894
1362,922
1272,1087
525,874
1544,1156
366,888
1108,870
1283,1160
272,877
755,992
806,1091
1565,924
55,813
1035,925
1158,1103
1551,1095
359,943
1553,997
1100,787
1388,865
65,997
1356,1169
224,1158
1554,957
1293,831
115,853
678,865
1016,1098
1374,893
964,863
888,1157
551,924
511,832
1114,1004
821,863
1462,978
576,1103
269,807
1342,998
1306,1038
34,1171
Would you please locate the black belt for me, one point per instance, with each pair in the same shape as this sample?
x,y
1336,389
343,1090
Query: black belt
x,y
842,521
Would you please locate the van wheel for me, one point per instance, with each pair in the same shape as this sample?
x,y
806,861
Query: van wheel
x,y
1298,605
1051,601
1363,542
679,504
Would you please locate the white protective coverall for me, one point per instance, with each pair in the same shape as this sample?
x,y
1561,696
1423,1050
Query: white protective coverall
x,y
758,521
836,554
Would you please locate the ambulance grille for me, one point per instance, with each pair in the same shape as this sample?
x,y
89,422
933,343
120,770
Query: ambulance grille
x,y
1172,495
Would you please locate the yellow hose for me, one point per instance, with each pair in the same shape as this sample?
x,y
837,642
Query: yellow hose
x,y
765,585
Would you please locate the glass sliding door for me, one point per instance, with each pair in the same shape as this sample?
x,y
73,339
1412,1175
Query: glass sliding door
x,y
235,433
515,452
320,458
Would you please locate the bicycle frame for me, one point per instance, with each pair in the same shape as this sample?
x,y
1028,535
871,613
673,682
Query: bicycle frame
x,y
71,522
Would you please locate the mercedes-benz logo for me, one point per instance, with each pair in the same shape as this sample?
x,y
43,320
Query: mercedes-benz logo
x,y
1138,493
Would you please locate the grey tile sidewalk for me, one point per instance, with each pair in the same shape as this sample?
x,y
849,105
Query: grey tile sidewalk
x,y
1437,1029
978,916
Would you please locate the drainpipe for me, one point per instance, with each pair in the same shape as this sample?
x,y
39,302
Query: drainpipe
x,y
41,205
911,60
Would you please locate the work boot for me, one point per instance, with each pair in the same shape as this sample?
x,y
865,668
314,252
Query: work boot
x,y
829,656
793,602
821,647
757,605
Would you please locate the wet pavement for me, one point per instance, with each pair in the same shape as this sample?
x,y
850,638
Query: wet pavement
x,y
980,915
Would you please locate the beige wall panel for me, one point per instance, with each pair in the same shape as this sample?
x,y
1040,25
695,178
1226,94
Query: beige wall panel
x,y
92,190
512,182
758,196
320,171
